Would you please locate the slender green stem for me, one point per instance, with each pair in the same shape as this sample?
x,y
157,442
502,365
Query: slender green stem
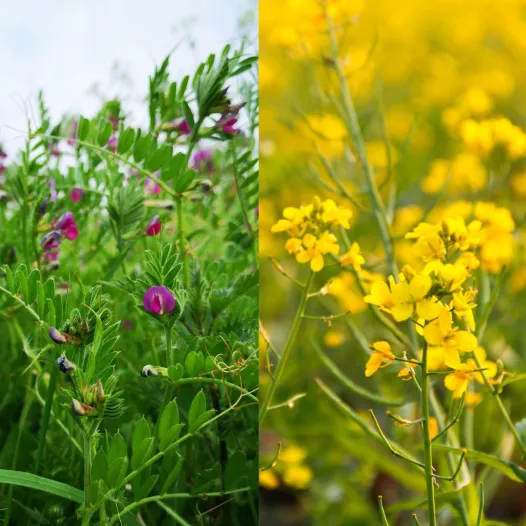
x,y
216,381
288,348
170,358
385,522
155,498
501,407
182,239
353,127
45,416
173,514
428,454
87,476
242,203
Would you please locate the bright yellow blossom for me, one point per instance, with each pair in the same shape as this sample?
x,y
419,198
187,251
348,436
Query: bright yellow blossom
x,y
353,257
458,380
441,333
268,479
382,356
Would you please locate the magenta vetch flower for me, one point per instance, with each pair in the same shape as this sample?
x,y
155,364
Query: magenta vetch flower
x,y
202,161
158,300
112,143
76,194
154,228
67,226
50,244
53,149
151,187
181,125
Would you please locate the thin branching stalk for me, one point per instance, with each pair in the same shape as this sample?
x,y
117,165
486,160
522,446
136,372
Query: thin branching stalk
x,y
288,348
428,453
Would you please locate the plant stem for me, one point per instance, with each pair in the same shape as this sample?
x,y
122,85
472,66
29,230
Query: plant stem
x,y
87,476
428,454
288,347
182,239
353,127
502,409
170,358
242,203
45,416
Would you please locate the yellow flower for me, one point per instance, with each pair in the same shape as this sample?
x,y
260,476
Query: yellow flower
x,y
335,215
408,371
333,338
294,219
463,237
316,248
490,368
268,479
458,381
450,275
472,399
292,455
353,257
433,427
403,298
298,476
463,305
441,333
382,356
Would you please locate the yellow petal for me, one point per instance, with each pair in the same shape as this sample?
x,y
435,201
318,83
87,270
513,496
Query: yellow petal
x,y
317,263
373,364
402,311
432,333
465,341
420,286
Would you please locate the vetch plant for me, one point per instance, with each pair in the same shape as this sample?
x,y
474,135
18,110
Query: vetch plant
x,y
129,283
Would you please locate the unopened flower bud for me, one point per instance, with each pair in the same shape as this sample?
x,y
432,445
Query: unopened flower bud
x,y
64,365
101,397
57,336
150,370
316,203
81,409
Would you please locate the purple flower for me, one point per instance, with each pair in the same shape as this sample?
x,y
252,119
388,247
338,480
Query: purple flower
x,y
181,125
112,143
67,226
150,186
154,228
158,300
57,336
202,161
43,206
76,194
226,124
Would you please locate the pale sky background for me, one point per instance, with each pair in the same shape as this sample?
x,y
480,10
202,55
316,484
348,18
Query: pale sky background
x,y
66,47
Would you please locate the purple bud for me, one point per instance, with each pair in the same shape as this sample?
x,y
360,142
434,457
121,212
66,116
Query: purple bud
x,y
43,206
57,336
158,300
51,240
154,228
64,365
76,194
181,125
112,143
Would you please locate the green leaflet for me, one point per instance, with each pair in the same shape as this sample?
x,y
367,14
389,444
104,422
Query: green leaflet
x,y
28,480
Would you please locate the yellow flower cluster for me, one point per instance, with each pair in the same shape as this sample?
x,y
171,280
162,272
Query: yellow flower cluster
x,y
290,467
309,228
437,299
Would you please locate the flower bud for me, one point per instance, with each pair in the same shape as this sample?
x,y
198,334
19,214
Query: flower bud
x,y
150,370
57,336
64,365
81,409
158,300
101,397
